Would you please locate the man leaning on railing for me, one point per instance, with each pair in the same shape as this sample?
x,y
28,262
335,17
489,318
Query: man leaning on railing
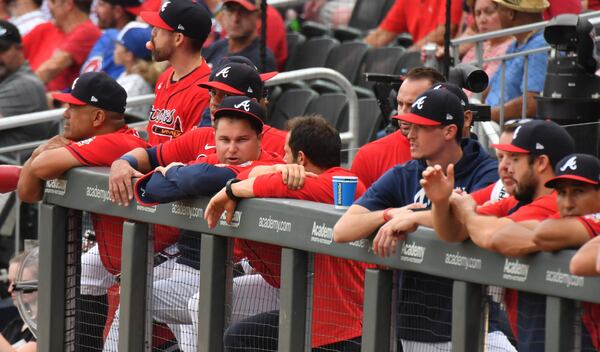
x,y
516,79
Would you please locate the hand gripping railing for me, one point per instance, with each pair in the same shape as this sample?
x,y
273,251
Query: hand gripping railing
x,y
86,189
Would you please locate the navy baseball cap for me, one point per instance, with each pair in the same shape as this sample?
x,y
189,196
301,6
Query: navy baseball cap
x,y
97,89
134,37
9,35
249,5
134,7
456,90
576,167
435,107
242,106
184,16
238,79
240,60
539,137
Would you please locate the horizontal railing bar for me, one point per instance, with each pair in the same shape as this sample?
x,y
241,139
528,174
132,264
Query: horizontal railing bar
x,y
513,30
308,226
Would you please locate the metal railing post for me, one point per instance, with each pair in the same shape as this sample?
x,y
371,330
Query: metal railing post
x,y
377,311
467,334
52,278
560,323
502,82
525,76
292,311
134,293
211,307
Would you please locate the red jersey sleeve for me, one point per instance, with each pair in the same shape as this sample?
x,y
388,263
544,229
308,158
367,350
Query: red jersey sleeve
x,y
591,223
188,147
79,42
395,20
483,195
104,149
498,209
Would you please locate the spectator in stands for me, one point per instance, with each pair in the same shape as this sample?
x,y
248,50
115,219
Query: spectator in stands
x,y
21,91
180,29
240,21
487,19
238,132
26,14
424,20
315,145
435,138
112,15
512,15
199,142
140,73
559,7
16,336
57,50
375,158
95,134
335,13
535,148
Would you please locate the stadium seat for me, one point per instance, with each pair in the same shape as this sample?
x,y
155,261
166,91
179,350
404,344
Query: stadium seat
x,y
347,58
291,103
368,123
294,41
313,53
380,60
312,29
408,60
367,14
332,107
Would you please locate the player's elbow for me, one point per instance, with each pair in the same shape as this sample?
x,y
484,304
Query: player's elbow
x,y
29,195
43,169
577,266
343,232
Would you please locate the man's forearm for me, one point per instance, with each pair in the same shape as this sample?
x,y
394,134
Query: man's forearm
x,y
143,159
446,225
244,189
354,226
514,240
29,188
513,108
481,228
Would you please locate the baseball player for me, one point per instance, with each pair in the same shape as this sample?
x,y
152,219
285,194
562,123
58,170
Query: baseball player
x,y
180,29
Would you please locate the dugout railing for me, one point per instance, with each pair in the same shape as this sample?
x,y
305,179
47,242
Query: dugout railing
x,y
308,231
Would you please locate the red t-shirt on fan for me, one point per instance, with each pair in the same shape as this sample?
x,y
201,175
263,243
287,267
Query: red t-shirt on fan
x,y
102,150
178,106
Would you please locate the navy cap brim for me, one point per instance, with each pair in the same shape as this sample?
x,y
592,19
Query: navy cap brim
x,y
237,112
221,86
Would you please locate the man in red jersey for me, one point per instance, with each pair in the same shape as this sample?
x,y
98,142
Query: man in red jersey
x,y
180,29
238,130
234,78
57,50
375,158
338,283
537,146
95,134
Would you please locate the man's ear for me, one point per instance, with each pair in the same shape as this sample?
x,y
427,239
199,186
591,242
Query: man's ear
x,y
450,132
301,158
99,117
179,39
543,163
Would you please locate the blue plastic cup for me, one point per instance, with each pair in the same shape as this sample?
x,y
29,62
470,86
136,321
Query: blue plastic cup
x,y
344,189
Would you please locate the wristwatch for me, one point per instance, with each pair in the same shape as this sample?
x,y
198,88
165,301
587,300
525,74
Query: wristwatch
x,y
229,191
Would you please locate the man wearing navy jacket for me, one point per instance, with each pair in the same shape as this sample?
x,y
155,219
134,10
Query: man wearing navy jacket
x,y
425,302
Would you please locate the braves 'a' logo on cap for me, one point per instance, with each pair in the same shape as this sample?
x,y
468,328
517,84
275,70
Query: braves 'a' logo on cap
x,y
419,102
74,83
570,164
164,6
516,132
3,31
245,104
224,72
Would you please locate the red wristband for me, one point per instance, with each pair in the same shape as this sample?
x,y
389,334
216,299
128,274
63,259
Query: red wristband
x,y
386,215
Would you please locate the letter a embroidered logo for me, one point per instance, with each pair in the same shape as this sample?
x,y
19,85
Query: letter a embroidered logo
x,y
570,164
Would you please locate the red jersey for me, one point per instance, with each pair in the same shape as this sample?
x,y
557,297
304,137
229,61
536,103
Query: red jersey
x,y
591,223
43,40
178,106
561,7
200,142
338,283
375,158
102,150
276,36
419,17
